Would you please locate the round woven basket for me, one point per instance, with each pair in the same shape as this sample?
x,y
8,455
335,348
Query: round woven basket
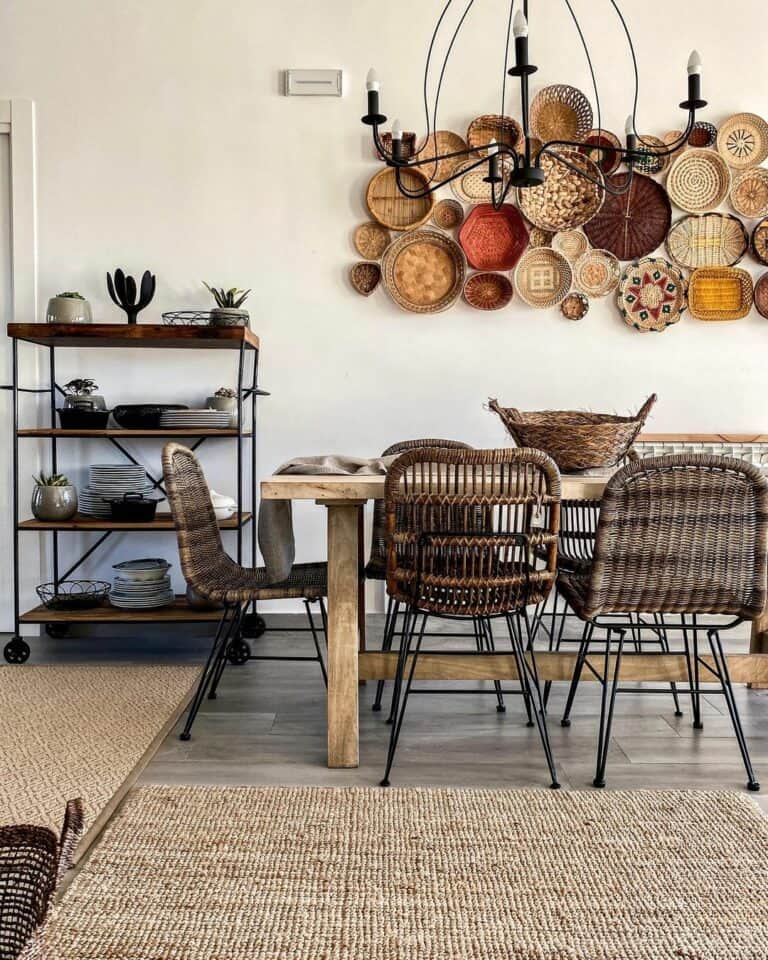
x,y
565,199
539,237
371,240
607,161
698,181
493,126
448,214
749,193
469,186
761,296
720,293
365,277
575,306
571,243
488,291
439,143
759,242
651,295
493,239
423,271
596,273
560,112
702,134
390,207
649,160
707,240
743,140
633,224
542,277
674,136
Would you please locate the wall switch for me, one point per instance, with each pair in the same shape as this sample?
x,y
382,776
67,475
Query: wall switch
x,y
313,83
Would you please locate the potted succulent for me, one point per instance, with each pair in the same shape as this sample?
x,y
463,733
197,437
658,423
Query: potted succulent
x,y
54,497
228,312
68,307
224,399
81,393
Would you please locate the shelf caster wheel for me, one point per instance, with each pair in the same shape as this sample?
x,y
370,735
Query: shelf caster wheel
x,y
238,652
16,651
57,630
253,626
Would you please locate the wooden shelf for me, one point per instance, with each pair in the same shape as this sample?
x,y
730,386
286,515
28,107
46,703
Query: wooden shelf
x,y
134,335
117,432
177,612
162,521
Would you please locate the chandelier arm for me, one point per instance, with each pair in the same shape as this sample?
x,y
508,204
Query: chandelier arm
x,y
426,70
585,176
418,194
506,57
589,60
635,70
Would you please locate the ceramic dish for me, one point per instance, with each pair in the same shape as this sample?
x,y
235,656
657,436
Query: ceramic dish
x,y
143,570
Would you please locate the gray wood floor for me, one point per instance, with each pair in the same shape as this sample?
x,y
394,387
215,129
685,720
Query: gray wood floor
x,y
268,727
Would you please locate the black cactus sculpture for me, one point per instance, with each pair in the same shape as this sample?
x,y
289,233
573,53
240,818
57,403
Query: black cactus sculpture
x,y
123,292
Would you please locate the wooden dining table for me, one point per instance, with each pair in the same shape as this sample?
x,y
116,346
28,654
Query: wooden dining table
x,y
344,498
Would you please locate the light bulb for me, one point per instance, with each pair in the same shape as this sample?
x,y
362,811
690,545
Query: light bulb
x,y
629,126
397,130
493,147
520,25
372,80
694,62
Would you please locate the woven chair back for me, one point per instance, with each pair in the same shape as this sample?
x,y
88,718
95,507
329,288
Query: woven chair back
x,y
463,528
681,534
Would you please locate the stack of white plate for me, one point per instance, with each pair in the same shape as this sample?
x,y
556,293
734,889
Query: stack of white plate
x,y
111,481
191,419
141,585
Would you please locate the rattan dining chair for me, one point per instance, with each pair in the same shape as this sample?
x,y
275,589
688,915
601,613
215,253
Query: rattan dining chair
x,y
33,861
214,575
463,531
679,536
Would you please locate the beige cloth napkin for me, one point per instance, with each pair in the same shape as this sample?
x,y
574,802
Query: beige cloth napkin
x,y
276,540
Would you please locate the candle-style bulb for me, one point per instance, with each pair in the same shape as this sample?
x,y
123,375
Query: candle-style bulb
x,y
694,62
397,130
519,25
372,80
629,126
493,147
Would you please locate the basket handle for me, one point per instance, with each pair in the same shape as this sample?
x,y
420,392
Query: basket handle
x,y
646,408
506,413
71,832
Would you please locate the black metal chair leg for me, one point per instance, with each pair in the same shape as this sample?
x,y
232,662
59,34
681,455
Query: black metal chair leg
x,y
223,660
606,708
586,637
386,645
399,711
491,647
317,642
721,665
520,664
658,619
221,638
693,676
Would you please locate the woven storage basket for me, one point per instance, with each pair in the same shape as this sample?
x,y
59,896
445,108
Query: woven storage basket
x,y
651,295
576,440
493,126
469,186
743,140
439,143
720,293
365,277
448,214
543,277
749,193
709,240
702,134
390,207
565,199
698,181
493,239
575,306
560,112
423,271
633,224
649,160
608,162
596,273
759,242
571,243
488,291
371,240
539,237
761,296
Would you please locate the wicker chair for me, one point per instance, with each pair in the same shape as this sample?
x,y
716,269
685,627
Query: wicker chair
x,y
218,578
463,530
33,861
679,536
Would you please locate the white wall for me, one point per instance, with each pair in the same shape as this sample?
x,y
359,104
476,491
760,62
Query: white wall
x,y
164,142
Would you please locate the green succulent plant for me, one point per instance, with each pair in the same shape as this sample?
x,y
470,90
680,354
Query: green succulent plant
x,y
225,392
81,387
71,295
232,299
52,480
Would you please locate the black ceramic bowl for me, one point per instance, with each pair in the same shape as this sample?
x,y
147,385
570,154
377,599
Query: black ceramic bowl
x,y
72,418
134,508
143,416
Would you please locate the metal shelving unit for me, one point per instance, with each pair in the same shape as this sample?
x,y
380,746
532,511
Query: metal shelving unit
x,y
53,336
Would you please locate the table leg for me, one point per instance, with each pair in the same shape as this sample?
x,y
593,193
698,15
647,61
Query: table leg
x,y
343,633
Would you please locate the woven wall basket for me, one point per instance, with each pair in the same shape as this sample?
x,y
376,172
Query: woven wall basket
x,y
743,140
448,214
543,277
469,186
488,291
539,237
365,277
720,293
390,208
596,273
565,199
702,134
759,242
440,142
493,239
371,240
423,271
575,306
749,193
571,243
607,161
634,224
674,136
575,439
493,126
698,181
709,240
761,296
649,160
651,295
560,112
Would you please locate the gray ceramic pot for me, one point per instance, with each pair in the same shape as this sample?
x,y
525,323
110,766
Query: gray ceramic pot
x,y
229,317
68,310
226,404
54,503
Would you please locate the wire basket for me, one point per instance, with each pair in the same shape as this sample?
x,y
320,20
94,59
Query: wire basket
x,y
187,318
73,594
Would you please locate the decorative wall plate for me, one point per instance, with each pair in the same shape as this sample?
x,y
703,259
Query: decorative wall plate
x,y
448,214
707,240
365,277
596,273
560,112
488,291
469,186
649,160
634,224
575,306
571,243
720,293
749,193
390,208
543,277
423,271
761,296
743,140
565,199
698,181
493,126
371,240
608,162
651,294
759,242
493,239
702,134
440,142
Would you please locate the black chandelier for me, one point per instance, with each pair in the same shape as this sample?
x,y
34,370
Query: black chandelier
x,y
509,167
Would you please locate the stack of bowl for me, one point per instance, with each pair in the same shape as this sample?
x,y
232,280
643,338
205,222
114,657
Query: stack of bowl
x,y
141,584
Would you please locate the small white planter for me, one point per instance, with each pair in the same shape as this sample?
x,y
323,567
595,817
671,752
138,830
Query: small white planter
x,y
68,310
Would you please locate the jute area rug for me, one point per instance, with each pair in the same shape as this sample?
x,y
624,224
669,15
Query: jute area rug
x,y
81,731
331,873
